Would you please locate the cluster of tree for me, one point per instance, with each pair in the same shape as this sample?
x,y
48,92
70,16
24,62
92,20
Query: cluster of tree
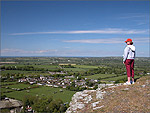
x,y
68,66
23,68
77,88
58,75
55,70
89,83
44,104
72,87
11,77
29,68
104,70
2,96
92,84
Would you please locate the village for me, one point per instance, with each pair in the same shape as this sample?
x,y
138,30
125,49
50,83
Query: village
x,y
58,81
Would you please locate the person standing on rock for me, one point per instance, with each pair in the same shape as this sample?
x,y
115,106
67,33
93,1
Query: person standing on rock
x,y
128,60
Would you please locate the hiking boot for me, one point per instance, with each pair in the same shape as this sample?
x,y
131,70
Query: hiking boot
x,y
127,83
133,82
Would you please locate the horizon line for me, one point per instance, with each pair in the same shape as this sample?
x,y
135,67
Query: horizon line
x,y
73,56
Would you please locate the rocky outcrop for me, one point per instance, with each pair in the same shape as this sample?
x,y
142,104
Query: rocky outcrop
x,y
80,100
113,97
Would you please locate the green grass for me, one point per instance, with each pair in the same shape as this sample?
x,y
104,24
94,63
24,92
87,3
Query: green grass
x,y
80,68
15,71
23,72
2,83
96,76
75,69
20,85
51,67
116,78
4,90
85,66
36,66
43,91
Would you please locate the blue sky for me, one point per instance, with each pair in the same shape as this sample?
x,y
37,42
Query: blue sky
x,y
73,28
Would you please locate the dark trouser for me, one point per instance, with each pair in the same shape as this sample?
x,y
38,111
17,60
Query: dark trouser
x,y
130,67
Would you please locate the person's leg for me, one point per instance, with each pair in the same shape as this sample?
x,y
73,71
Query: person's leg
x,y
128,68
132,79
132,70
129,79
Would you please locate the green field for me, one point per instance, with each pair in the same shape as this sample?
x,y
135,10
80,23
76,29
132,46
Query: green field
x,y
16,71
36,66
20,85
4,90
75,69
96,76
42,91
2,83
80,68
24,72
85,66
119,77
52,67
113,77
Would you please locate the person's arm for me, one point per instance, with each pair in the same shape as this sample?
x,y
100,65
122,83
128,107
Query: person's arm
x,y
126,51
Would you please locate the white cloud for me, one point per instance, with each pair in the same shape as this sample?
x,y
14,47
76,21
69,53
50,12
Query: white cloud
x,y
110,40
142,39
102,31
134,16
138,18
95,41
20,51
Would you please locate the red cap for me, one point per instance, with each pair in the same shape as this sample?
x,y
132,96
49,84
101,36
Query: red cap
x,y
128,40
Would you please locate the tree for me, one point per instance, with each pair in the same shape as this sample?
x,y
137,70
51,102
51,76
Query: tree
x,y
79,77
73,84
2,97
44,104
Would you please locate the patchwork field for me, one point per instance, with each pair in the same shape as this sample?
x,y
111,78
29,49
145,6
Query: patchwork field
x,y
80,68
84,67
56,93
102,76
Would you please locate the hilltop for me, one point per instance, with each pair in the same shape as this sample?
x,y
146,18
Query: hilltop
x,y
113,98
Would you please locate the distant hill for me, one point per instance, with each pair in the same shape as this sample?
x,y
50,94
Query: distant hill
x,y
114,98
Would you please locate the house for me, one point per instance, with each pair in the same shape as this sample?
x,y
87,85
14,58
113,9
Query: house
x,y
56,86
32,82
64,86
22,80
15,106
42,77
72,76
96,80
29,109
49,85
39,84
48,82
